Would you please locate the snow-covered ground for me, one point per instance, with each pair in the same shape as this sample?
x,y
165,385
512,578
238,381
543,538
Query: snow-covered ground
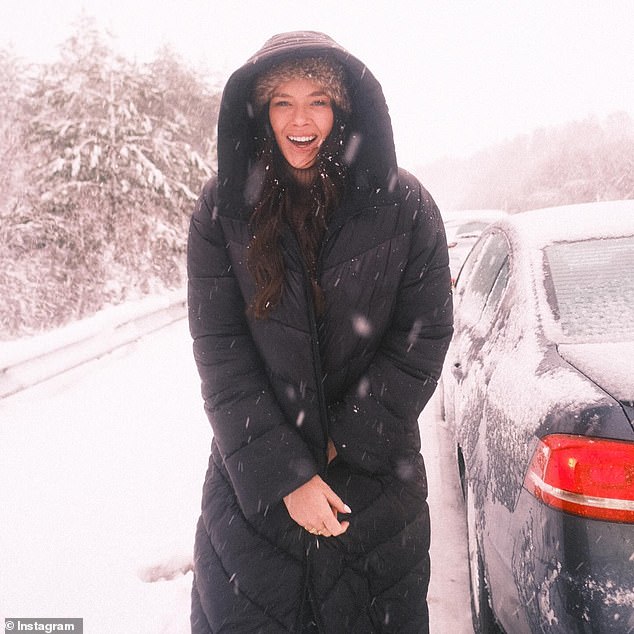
x,y
100,478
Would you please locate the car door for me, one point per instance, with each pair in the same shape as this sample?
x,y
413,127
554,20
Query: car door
x,y
479,291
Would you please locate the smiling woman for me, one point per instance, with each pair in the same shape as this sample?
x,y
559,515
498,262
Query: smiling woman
x,y
320,307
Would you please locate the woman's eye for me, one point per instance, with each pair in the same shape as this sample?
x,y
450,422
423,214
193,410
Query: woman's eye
x,y
321,102
282,103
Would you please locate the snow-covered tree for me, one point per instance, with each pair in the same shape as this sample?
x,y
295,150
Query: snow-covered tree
x,y
106,130
118,154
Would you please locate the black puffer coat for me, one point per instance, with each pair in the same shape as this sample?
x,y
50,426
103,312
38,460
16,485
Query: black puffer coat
x,y
275,389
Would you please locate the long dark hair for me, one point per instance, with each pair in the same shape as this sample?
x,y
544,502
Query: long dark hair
x,y
285,200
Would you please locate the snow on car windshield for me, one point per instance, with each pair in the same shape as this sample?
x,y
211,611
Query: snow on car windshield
x,y
592,288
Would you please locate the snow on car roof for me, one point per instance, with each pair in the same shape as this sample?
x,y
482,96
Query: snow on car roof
x,y
574,222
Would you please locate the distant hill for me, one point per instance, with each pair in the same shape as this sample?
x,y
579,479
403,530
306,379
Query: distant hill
x,y
582,161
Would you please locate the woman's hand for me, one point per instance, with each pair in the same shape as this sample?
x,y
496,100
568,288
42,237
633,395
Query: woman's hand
x,y
314,506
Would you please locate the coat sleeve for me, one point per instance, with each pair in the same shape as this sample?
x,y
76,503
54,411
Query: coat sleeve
x,y
375,425
264,456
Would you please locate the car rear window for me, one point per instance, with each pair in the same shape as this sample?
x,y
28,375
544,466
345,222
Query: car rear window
x,y
592,288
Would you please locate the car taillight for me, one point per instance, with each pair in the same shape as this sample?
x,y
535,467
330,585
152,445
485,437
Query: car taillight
x,y
586,476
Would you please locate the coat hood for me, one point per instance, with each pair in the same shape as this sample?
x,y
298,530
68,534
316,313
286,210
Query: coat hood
x,y
369,148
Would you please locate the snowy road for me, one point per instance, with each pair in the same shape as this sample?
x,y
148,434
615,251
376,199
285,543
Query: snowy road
x,y
100,478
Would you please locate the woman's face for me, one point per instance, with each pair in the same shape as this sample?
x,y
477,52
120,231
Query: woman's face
x,y
301,116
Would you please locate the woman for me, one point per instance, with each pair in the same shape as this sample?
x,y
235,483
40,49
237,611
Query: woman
x,y
320,308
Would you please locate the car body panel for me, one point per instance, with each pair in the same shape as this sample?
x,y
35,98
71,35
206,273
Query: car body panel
x,y
608,364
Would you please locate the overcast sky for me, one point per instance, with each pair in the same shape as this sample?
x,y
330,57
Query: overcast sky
x,y
458,75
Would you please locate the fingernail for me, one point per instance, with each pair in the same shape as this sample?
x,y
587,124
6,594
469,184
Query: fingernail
x,y
346,509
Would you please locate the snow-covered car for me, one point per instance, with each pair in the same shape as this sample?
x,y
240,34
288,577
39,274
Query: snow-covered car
x,y
463,228
538,389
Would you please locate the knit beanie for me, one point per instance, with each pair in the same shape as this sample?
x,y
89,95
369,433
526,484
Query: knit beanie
x,y
324,71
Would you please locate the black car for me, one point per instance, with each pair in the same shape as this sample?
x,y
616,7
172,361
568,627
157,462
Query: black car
x,y
538,388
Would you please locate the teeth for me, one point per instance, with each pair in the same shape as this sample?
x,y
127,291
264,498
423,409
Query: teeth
x,y
302,139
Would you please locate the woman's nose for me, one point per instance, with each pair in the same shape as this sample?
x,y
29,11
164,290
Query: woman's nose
x,y
300,115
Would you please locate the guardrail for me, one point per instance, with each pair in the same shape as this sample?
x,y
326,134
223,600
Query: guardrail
x,y
25,363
